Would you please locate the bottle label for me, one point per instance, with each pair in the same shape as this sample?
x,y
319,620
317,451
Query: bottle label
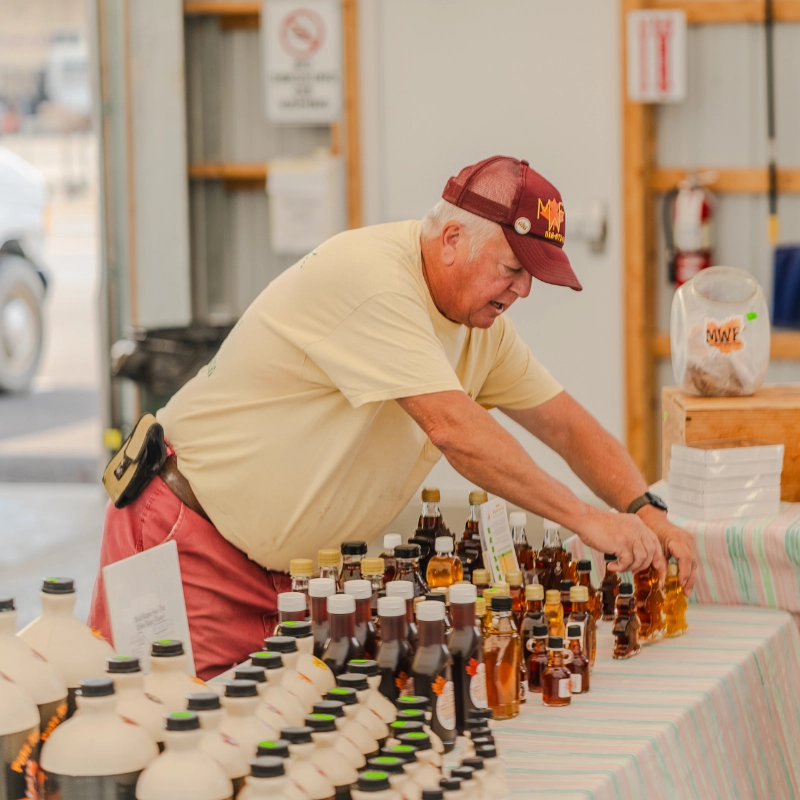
x,y
20,756
530,645
405,685
575,683
523,691
445,702
120,787
477,685
564,688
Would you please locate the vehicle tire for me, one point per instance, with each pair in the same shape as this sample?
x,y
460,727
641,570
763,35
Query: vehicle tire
x,y
21,323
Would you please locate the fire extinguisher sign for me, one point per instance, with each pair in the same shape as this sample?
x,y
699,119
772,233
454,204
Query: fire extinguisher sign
x,y
656,56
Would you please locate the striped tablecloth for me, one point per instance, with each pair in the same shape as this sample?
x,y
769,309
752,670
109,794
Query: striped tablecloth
x,y
713,714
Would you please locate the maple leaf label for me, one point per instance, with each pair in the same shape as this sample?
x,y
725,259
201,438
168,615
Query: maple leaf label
x,y
553,212
725,335
438,685
472,667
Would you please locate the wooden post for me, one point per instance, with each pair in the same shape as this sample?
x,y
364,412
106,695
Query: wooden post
x,y
352,114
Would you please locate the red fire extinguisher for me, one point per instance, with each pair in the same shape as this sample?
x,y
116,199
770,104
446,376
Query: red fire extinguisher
x,y
688,211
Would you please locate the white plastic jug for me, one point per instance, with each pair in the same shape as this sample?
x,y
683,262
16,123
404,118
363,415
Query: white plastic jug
x,y
169,680
279,708
240,722
132,701
325,756
302,769
369,719
298,685
267,780
19,741
375,702
316,670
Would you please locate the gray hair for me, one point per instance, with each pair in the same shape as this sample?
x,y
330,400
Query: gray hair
x,y
479,231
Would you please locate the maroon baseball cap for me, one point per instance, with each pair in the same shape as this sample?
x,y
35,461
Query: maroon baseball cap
x,y
527,207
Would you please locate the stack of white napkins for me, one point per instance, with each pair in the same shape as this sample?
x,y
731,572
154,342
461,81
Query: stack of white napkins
x,y
726,478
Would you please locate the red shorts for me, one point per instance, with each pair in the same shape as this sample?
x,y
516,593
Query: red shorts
x,y
231,601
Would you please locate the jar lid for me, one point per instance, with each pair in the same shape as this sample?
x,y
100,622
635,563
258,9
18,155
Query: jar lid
x,y
480,713
390,764
480,607
555,643
436,597
534,591
417,739
413,701
672,569
321,587
342,694
341,604
501,603
566,585
609,557
626,589
355,548
182,721
431,495
475,762
321,723
502,589
406,726
579,594
372,566
573,631
432,794
301,567
584,565
7,604
329,558
540,631
333,707
478,497
405,752
291,601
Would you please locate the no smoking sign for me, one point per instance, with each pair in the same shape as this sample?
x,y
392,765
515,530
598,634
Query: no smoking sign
x,y
302,33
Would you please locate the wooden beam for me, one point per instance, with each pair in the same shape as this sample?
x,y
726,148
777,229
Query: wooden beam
x,y
747,180
228,171
352,113
785,346
704,12
197,8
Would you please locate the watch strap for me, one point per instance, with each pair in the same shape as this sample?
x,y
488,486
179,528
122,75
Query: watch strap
x,y
647,499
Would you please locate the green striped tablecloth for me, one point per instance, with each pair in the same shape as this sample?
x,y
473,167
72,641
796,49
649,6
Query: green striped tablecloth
x,y
713,714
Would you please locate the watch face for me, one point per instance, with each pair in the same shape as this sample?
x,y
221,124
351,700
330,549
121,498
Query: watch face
x,y
656,501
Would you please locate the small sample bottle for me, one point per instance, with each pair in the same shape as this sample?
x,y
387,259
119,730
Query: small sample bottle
x,y
408,568
361,591
373,570
394,653
405,589
301,570
516,588
579,663
566,585
675,604
554,612
501,654
526,558
537,656
480,615
649,604
469,549
534,611
595,598
352,553
319,590
557,679
342,644
581,617
444,569
481,580
330,562
390,541
291,606
626,623
609,588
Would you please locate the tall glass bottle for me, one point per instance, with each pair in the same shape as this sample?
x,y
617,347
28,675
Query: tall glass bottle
x,y
554,612
626,624
469,549
352,553
432,671
466,649
579,663
516,588
361,592
550,558
301,570
390,541
408,568
581,617
394,653
405,589
430,526
609,588
585,579
526,558
534,612
342,644
565,598
330,562
675,604
481,580
557,679
319,590
537,656
501,655
444,569
373,570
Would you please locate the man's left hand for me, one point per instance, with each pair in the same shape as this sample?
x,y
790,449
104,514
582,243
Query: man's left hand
x,y
677,543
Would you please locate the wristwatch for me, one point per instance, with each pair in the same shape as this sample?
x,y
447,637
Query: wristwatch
x,y
647,499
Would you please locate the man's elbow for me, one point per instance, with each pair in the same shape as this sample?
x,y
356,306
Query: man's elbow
x,y
443,435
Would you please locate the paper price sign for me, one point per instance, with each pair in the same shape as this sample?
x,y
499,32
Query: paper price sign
x,y
499,556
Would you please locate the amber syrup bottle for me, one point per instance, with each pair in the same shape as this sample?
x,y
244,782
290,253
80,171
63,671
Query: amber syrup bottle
x,y
481,580
554,612
408,568
649,604
566,603
342,644
465,644
626,624
301,570
372,570
557,679
534,612
352,553
329,561
480,615
585,579
469,549
609,588
432,671
581,617
291,606
390,541
405,590
361,591
526,558
675,604
550,559
430,526
444,569
516,589
537,657
578,662
319,590
501,655
394,652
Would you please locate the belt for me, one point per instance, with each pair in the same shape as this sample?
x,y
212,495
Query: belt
x,y
180,487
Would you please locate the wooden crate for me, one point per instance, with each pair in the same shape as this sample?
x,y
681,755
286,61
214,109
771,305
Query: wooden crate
x,y
771,415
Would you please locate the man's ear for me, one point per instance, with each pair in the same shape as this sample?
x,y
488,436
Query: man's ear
x,y
452,235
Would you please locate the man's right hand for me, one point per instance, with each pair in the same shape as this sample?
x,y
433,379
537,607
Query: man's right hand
x,y
627,537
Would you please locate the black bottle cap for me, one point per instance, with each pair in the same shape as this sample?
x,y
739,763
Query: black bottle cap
x,y
280,644
405,752
373,781
480,741
432,794
96,687
407,551
540,630
241,688
474,762
609,557
117,664
417,739
405,726
354,548
7,604
203,701
626,588
342,694
333,707
555,643
58,586
476,722
363,666
411,715
450,784
322,723
437,597
566,585
573,631
166,648
182,721
480,713
479,733
266,660
390,764
501,603
486,751
412,701
297,735
295,629
250,673
266,767
464,773
352,681
276,749
585,565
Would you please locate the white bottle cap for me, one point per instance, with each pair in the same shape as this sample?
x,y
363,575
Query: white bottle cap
x,y
518,519
430,611
404,589
392,540
463,593
391,607
291,601
341,604
321,587
549,525
361,590
444,544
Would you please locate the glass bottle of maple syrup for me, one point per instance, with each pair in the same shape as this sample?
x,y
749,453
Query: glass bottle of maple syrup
x,y
609,588
405,590
342,644
501,655
480,615
430,526
440,596
373,570
581,617
675,604
319,590
329,561
534,612
554,612
352,553
566,603
361,592
537,656
585,579
526,558
390,541
649,604
408,568
579,663
301,570
465,644
557,679
394,653
444,569
469,549
432,671
516,589
626,623
550,558
481,580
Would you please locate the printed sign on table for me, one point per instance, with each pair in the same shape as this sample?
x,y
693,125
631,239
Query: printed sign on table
x,y
499,556
656,56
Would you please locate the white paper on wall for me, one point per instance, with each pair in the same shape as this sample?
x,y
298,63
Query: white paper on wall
x,y
656,56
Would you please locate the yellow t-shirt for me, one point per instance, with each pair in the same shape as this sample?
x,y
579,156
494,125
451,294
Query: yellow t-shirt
x,y
289,437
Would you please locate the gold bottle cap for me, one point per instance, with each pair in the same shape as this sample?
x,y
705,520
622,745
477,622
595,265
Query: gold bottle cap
x,y
431,496
480,607
534,591
672,569
480,576
301,568
329,558
579,594
514,578
372,566
501,590
478,497
553,596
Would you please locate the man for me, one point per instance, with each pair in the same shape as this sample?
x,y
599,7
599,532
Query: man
x,y
343,384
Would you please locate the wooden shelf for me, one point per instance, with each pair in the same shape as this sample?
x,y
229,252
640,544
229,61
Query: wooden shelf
x,y
785,346
748,180
237,177
703,12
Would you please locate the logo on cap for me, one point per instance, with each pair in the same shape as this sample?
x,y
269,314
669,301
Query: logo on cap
x,y
553,212
522,225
